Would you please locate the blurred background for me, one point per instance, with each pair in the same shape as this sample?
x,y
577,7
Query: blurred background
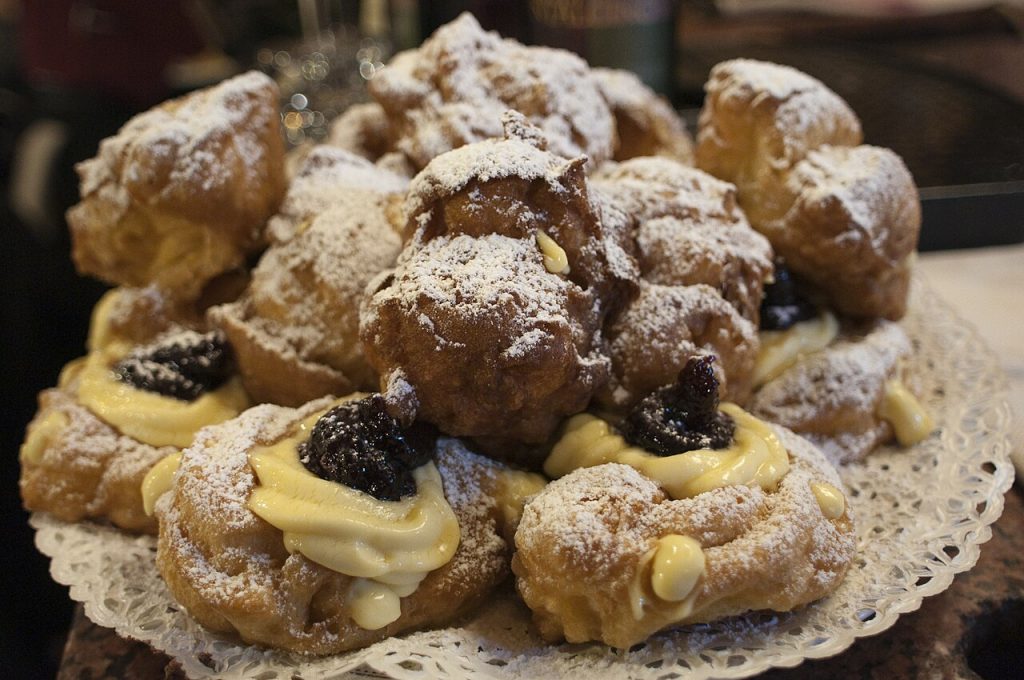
x,y
939,81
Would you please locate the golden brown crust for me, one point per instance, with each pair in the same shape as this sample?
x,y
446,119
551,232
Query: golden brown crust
x,y
690,229
852,228
645,123
230,569
454,88
295,329
181,193
491,342
845,217
582,542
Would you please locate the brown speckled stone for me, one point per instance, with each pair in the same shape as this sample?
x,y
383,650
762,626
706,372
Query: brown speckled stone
x,y
979,619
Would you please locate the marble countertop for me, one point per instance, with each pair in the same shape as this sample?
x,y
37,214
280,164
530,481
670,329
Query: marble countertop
x,y
985,286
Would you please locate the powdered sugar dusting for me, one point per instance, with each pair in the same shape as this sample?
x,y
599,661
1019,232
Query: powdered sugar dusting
x,y
332,177
185,131
455,87
861,179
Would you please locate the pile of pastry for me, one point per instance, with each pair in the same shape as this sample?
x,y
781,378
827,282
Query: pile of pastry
x,y
508,322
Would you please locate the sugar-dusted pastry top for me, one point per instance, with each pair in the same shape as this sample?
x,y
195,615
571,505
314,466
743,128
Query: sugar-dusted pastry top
x,y
834,396
330,177
295,329
664,327
492,342
794,113
182,192
454,88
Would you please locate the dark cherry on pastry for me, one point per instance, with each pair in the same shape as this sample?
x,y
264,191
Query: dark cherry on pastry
x,y
360,445
185,367
681,417
783,306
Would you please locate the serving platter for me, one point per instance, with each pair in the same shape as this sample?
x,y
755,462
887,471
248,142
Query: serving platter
x,y
922,514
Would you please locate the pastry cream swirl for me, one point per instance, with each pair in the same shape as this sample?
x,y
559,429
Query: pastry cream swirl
x,y
152,418
782,349
755,457
389,546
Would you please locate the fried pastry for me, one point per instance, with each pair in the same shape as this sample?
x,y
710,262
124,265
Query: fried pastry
x,y
845,217
182,192
852,227
508,262
114,416
645,123
243,553
490,341
690,229
630,540
666,326
849,397
454,88
296,328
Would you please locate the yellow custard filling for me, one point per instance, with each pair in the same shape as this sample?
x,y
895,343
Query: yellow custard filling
x,y
782,349
830,499
159,481
152,418
41,434
555,259
670,571
389,546
908,417
755,457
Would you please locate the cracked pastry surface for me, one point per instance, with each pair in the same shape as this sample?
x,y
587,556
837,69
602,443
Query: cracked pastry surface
x,y
454,88
295,328
182,192
645,123
508,262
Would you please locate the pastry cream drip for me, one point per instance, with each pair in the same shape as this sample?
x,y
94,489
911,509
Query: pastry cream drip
x,y
830,499
389,546
159,481
677,565
153,418
755,457
41,435
908,417
670,571
782,349
555,259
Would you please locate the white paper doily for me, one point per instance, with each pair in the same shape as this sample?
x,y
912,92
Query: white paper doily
x,y
922,514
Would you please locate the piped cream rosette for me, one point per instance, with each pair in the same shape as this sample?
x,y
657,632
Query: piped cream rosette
x,y
627,543
252,542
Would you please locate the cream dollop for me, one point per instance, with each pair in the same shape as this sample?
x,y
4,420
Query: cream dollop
x,y
909,419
